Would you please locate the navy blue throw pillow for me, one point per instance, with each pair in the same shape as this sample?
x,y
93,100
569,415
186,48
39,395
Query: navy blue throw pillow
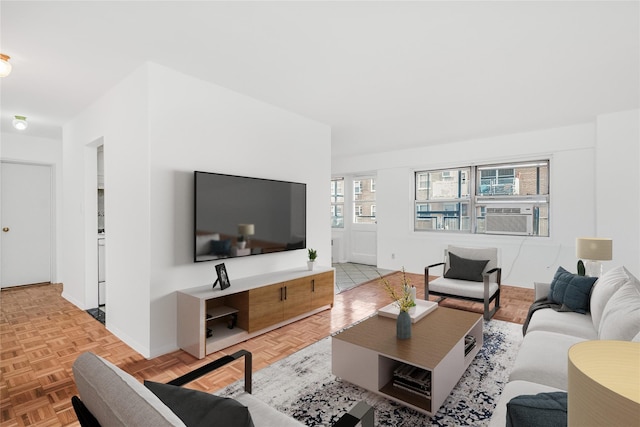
x,y
221,247
571,290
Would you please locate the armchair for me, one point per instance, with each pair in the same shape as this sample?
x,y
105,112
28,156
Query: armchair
x,y
470,274
110,396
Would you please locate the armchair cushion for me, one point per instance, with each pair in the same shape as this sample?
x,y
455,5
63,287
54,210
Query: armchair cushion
x,y
465,269
462,288
199,409
571,290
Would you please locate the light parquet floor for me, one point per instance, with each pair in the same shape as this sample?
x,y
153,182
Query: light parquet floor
x,y
41,334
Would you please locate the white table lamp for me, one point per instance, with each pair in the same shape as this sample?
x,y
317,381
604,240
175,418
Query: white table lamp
x,y
593,250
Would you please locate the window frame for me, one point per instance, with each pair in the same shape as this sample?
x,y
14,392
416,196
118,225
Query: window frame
x,y
477,202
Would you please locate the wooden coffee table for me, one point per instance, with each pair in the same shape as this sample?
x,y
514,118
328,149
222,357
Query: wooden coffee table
x,y
368,353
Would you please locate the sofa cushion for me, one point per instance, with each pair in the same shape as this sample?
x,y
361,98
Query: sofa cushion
x,y
199,409
542,359
511,390
203,242
571,290
465,269
542,409
621,315
569,323
603,289
461,288
115,398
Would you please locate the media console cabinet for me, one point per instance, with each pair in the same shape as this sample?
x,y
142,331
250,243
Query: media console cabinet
x,y
210,319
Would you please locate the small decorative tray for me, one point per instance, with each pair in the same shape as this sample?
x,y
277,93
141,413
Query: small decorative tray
x,y
416,313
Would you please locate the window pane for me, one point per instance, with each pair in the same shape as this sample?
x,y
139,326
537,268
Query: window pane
x,y
443,216
524,179
337,203
364,200
443,184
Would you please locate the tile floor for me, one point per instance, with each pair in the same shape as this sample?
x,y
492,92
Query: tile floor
x,y
350,275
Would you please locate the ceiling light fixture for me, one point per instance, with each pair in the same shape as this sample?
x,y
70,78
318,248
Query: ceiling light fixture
x,y
20,122
5,65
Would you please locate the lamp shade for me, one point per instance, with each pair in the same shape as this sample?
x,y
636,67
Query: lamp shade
x,y
594,248
246,229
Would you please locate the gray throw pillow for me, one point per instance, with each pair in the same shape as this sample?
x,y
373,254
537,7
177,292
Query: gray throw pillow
x,y
540,410
199,409
465,269
571,290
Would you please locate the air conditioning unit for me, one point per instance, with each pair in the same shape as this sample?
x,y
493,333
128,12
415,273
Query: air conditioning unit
x,y
509,219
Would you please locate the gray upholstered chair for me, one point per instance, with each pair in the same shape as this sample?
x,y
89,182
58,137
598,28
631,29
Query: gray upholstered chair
x,y
470,274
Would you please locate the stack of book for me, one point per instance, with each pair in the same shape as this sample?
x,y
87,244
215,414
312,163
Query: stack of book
x,y
469,344
412,379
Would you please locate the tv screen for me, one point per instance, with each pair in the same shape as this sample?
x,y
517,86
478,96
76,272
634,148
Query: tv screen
x,y
240,216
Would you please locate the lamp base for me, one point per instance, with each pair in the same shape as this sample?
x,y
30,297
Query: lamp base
x,y
593,268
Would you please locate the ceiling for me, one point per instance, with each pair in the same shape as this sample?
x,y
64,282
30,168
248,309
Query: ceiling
x,y
383,75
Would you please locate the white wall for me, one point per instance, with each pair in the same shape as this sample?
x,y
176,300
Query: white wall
x,y
43,151
572,152
618,185
158,126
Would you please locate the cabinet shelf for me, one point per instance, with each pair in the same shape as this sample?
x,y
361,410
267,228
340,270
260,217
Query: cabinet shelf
x,y
218,312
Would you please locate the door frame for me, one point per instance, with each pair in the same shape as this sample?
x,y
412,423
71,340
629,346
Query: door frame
x,y
52,214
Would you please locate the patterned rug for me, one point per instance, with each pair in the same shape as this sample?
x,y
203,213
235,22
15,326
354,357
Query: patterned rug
x,y
303,387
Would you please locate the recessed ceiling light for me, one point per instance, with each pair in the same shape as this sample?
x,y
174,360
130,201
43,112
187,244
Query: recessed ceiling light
x,y
20,122
5,65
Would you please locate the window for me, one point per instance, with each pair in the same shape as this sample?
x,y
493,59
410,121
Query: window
x,y
337,203
364,198
511,199
442,200
357,187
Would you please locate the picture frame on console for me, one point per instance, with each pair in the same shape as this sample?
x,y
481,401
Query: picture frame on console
x,y
223,277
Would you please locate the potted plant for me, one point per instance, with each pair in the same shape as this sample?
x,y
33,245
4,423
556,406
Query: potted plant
x,y
241,242
313,254
405,301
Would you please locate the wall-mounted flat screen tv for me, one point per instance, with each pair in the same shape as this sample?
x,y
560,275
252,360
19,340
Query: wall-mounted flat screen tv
x,y
240,216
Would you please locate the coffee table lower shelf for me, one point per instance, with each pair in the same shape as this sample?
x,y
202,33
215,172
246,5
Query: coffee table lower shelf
x,y
420,403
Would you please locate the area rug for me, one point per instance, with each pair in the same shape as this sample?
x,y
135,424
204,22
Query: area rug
x,y
303,387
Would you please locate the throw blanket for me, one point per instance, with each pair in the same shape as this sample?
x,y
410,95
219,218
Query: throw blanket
x,y
537,305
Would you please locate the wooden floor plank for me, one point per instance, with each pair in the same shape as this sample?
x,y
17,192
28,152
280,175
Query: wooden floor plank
x,y
41,335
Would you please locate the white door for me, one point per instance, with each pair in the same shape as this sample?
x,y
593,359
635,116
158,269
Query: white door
x,y
26,224
363,230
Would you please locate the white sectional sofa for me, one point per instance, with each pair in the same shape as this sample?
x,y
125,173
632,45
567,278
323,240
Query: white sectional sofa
x,y
541,363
